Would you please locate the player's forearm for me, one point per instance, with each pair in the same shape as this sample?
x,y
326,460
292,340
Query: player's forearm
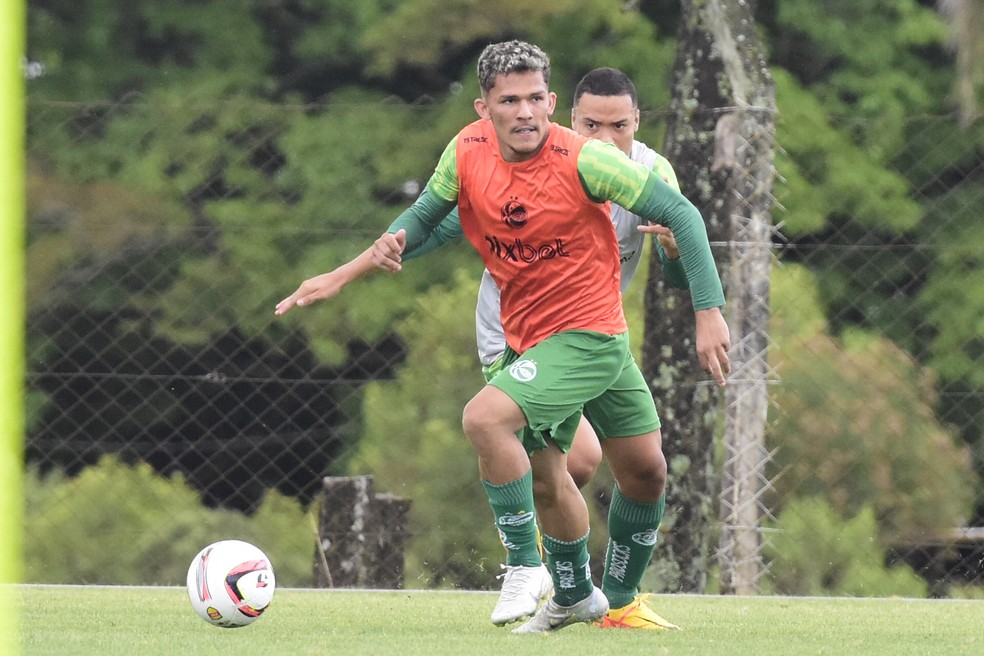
x,y
356,268
421,219
446,231
327,285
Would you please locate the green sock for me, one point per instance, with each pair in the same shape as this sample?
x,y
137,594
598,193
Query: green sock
x,y
633,527
515,519
570,569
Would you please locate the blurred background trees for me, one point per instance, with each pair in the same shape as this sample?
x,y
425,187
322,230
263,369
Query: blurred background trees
x,y
191,163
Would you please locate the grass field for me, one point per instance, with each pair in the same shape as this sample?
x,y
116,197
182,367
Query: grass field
x,y
83,620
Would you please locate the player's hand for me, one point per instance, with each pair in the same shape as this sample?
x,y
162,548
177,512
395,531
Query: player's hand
x,y
665,237
713,343
387,252
312,290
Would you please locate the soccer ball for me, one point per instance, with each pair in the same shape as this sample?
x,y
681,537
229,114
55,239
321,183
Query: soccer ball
x,y
230,583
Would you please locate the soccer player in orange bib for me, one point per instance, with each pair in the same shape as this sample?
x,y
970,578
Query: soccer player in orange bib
x,y
533,201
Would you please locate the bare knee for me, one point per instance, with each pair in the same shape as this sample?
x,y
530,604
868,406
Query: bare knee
x,y
475,418
639,466
646,481
490,411
582,470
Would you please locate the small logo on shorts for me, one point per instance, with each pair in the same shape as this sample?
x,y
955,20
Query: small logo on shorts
x,y
524,371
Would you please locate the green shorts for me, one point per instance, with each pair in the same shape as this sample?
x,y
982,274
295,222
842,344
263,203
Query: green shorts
x,y
573,372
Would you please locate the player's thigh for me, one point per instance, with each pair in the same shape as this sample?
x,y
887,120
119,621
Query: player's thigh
x,y
626,408
533,440
491,409
639,456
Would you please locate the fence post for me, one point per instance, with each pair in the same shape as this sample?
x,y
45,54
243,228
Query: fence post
x,y
745,476
361,536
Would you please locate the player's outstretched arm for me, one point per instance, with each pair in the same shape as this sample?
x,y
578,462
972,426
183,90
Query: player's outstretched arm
x,y
385,253
328,285
416,225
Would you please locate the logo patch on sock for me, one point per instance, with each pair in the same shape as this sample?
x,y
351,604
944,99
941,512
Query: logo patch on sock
x,y
646,538
510,519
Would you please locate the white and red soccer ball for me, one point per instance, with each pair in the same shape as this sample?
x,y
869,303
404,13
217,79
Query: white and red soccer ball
x,y
230,583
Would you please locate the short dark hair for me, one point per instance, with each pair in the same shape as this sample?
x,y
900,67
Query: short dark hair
x,y
606,82
510,57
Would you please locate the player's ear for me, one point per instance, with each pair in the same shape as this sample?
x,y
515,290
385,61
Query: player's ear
x,y
636,128
553,103
482,108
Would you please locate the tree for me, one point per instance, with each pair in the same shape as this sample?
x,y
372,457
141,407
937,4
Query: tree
x,y
854,422
192,161
110,48
720,141
966,22
883,185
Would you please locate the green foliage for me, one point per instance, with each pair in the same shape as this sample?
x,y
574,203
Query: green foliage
x,y
415,447
811,549
265,142
842,51
419,34
864,171
853,421
952,300
121,524
334,29
875,92
106,48
213,176
950,306
825,173
74,225
578,36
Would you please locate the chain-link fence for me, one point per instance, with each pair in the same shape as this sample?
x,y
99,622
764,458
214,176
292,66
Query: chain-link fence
x,y
168,407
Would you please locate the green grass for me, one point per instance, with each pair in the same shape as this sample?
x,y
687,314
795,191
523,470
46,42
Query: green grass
x,y
81,620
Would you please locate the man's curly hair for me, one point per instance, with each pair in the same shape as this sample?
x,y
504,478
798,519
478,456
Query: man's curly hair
x,y
510,57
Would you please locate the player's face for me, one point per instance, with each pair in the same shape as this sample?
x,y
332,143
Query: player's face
x,y
612,119
520,106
